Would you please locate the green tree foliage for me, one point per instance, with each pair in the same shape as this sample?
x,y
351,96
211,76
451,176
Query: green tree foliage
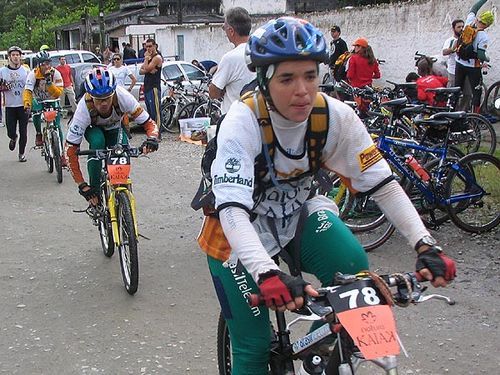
x,y
30,23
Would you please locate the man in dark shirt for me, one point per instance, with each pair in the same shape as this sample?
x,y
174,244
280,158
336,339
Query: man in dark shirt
x,y
337,46
151,69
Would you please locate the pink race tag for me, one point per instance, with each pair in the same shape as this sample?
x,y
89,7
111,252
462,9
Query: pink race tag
x,y
373,330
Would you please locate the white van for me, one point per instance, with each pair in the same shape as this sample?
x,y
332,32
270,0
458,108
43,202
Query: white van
x,y
4,57
72,56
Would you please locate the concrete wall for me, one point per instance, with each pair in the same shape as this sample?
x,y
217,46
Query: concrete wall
x,y
396,32
257,6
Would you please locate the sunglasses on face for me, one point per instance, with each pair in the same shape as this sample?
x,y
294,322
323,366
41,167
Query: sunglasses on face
x,y
116,59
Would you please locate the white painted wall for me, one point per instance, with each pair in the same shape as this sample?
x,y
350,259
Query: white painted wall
x,y
396,32
257,6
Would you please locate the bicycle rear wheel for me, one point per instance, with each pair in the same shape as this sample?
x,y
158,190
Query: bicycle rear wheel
x,y
167,122
477,173
224,357
127,248
483,135
56,153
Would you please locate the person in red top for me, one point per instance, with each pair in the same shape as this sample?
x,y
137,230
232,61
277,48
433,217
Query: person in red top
x,y
362,66
427,80
68,90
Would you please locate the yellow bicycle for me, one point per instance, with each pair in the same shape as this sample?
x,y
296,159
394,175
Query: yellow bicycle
x,y
115,215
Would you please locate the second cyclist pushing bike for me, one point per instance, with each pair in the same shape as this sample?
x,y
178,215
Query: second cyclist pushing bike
x,y
98,118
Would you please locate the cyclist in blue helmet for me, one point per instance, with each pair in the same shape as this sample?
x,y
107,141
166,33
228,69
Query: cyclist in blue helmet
x,y
269,146
100,117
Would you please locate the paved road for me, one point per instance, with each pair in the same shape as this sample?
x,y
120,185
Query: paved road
x,y
63,309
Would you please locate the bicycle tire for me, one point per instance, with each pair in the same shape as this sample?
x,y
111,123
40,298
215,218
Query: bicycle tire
x,y
484,170
166,115
202,111
484,131
56,152
48,159
224,361
129,262
492,96
104,226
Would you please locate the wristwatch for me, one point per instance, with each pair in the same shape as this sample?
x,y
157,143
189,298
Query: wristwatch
x,y
425,240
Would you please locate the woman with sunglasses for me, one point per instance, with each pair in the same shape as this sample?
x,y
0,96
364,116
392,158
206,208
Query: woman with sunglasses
x,y
362,66
121,72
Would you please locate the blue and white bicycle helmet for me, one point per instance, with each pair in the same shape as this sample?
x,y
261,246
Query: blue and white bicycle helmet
x,y
42,56
283,39
100,83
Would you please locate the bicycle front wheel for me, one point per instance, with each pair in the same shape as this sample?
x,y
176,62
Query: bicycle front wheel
x,y
224,358
127,248
48,154
105,230
56,153
167,118
477,175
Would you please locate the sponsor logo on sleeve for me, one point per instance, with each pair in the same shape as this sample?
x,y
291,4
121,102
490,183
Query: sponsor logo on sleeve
x,y
232,165
368,157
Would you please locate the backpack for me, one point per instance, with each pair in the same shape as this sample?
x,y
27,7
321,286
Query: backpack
x,y
465,48
339,70
316,135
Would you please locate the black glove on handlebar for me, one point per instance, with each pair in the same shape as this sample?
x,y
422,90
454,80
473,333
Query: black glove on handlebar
x,y
437,262
89,193
277,288
151,144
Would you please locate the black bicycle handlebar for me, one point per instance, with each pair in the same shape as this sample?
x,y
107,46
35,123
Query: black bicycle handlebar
x,y
133,152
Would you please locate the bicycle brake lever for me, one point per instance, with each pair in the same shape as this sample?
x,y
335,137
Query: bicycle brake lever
x,y
440,297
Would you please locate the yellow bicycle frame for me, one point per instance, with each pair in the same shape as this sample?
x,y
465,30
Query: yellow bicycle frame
x,y
112,208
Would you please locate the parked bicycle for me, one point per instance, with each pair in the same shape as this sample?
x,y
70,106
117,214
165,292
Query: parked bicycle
x,y
115,215
52,148
359,326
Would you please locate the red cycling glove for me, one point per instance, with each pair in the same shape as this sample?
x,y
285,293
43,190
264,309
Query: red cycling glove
x,y
277,288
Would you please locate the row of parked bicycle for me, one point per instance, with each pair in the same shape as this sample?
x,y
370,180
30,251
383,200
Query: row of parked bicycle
x,y
445,160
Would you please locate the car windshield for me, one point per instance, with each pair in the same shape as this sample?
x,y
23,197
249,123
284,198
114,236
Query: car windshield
x,y
172,72
193,72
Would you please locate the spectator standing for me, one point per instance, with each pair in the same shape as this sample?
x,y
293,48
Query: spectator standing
x,y
142,51
232,72
338,46
121,72
428,81
449,47
362,66
151,69
13,78
99,54
471,68
128,52
106,55
68,84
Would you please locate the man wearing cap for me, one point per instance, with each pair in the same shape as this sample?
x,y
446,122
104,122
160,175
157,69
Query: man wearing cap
x,y
471,68
337,46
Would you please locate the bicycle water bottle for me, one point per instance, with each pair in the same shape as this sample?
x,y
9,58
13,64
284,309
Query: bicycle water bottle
x,y
417,168
312,364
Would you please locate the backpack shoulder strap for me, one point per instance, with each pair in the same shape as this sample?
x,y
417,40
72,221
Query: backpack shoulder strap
x,y
317,131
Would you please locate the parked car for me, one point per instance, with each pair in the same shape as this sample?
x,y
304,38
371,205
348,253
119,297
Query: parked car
x,y
72,57
79,72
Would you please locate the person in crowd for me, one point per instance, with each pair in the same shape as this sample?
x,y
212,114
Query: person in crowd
x,y
107,55
98,118
338,46
121,72
128,51
232,73
471,68
99,54
68,84
13,79
142,51
362,67
428,80
260,204
449,47
210,66
151,69
44,82
198,65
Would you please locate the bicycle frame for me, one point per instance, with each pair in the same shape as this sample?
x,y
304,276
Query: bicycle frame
x,y
384,143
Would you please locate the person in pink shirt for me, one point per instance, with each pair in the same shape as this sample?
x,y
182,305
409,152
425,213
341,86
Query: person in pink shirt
x,y
362,66
68,90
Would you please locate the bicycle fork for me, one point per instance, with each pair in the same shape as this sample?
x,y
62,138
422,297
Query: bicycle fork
x,y
113,214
